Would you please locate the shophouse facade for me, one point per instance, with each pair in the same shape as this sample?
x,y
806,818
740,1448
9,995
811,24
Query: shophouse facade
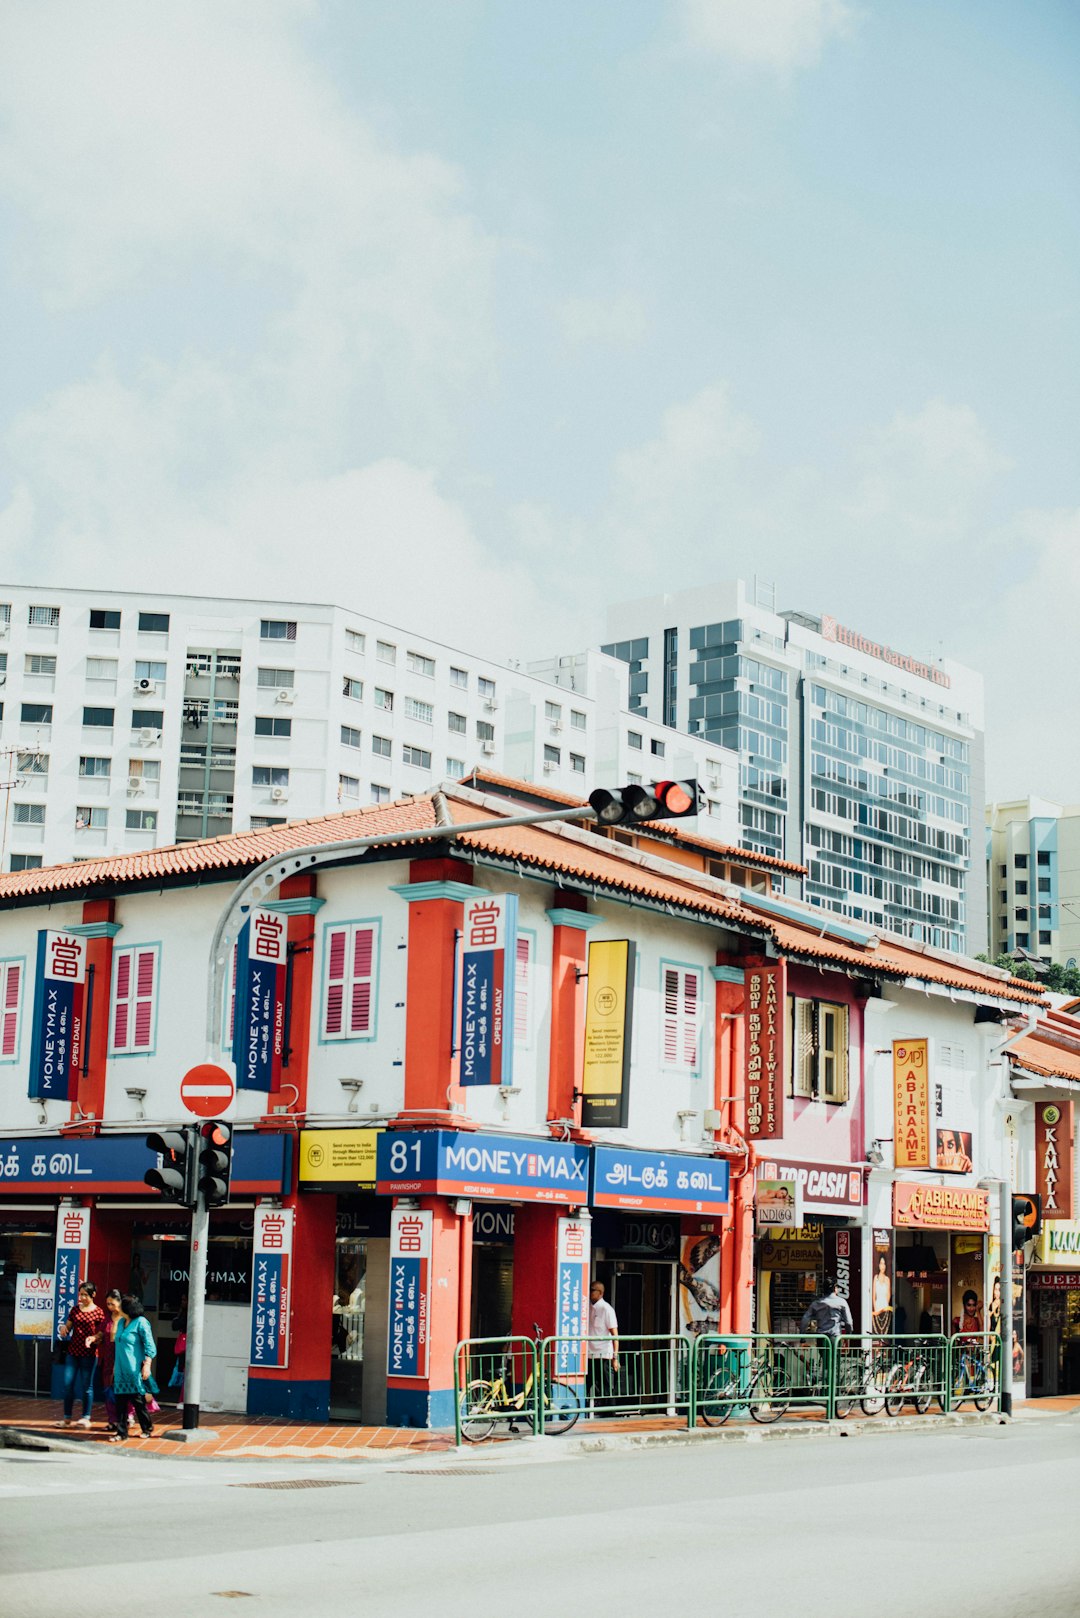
x,y
431,1190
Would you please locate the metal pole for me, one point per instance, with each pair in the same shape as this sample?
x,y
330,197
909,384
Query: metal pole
x,y
1006,1249
200,1231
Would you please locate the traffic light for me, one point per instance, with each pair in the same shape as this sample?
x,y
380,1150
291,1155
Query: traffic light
x,y
178,1151
215,1162
664,800
1026,1218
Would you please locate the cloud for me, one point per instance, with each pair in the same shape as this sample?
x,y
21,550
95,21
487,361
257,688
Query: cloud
x,y
781,35
619,322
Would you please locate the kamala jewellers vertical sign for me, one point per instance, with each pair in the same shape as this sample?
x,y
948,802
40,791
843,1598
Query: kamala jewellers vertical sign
x,y
609,1019
488,966
59,996
911,1104
765,990
1054,1158
410,1292
271,1285
262,954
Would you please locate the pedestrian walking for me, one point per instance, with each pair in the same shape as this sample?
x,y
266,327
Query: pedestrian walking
x,y
107,1355
135,1350
603,1354
829,1315
81,1334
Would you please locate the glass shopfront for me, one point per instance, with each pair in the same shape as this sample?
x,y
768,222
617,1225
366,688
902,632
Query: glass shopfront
x,y
27,1246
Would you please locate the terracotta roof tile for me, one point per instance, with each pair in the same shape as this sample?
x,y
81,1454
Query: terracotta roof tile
x,y
1051,1050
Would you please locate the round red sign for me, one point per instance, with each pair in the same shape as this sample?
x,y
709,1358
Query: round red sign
x,y
207,1090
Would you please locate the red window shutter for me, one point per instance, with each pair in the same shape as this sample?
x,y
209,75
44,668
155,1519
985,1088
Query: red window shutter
x,y
120,1008
521,989
145,980
690,1010
363,958
335,983
9,1023
671,1014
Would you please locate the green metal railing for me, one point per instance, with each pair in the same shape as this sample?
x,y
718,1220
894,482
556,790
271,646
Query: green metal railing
x,y
891,1373
496,1383
974,1370
649,1377
760,1376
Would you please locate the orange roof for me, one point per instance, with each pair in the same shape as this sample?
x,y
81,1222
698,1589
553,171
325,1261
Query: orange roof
x,y
1051,1050
659,829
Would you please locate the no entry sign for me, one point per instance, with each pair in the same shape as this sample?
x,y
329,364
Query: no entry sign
x,y
207,1090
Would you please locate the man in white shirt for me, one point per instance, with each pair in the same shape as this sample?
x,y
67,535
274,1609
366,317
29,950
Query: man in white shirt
x,y
603,1347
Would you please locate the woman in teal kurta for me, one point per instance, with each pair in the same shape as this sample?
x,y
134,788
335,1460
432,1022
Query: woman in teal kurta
x,y
135,1350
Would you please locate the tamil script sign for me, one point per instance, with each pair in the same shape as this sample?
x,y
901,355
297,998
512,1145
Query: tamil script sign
x,y
57,1029
1054,1158
262,953
940,1207
765,990
115,1164
661,1181
911,1103
502,1168
271,1286
609,1020
572,1297
33,1305
488,966
410,1292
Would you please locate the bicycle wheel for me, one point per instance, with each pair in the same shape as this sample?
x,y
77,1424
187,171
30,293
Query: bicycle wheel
x,y
769,1399
922,1399
847,1396
716,1403
562,1407
987,1389
477,1414
896,1390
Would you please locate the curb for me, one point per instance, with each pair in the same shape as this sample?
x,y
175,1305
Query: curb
x,y
599,1443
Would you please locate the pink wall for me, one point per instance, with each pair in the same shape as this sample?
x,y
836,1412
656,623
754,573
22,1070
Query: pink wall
x,y
820,1131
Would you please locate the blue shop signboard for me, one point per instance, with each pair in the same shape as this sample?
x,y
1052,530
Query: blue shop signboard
x,y
452,1163
112,1165
672,1182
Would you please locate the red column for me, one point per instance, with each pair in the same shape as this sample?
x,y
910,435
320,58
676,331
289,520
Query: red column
x,y
99,929
301,936
569,952
436,891
737,1238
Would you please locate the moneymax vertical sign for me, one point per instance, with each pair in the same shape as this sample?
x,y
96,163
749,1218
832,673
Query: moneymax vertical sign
x,y
488,965
59,1016
72,1247
262,953
572,1300
911,1104
609,1026
271,1285
410,1292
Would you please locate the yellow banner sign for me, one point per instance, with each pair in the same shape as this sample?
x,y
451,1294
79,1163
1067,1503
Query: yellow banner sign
x,y
1059,1244
911,1104
605,1083
338,1156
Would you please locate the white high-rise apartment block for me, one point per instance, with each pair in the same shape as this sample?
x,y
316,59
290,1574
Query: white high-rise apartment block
x,y
1033,879
859,761
128,721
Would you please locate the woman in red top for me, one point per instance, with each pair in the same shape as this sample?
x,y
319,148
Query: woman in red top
x,y
81,1333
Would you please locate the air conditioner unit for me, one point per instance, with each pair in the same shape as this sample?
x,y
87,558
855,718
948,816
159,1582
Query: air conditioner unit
x,y
279,794
135,786
285,695
491,703
556,724
549,766
147,738
145,688
488,748
5,630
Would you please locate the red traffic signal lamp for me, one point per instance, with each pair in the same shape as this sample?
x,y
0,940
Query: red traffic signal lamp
x,y
176,1174
629,805
215,1162
1026,1217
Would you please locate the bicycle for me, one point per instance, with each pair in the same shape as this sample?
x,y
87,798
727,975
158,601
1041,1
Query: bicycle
x,y
906,1383
484,1402
753,1379
861,1378
978,1378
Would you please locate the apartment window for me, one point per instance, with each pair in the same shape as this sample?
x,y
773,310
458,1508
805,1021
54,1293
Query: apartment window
x,y
32,764
44,617
26,862
656,748
40,713
552,755
633,780
277,629
140,820
150,671
101,668
95,767
379,794
11,982
422,711
577,719
134,1013
1041,858
485,731
1021,887
1044,912
265,726
275,679
680,989
154,623
1044,938
154,718
1044,884
633,738
456,723
104,618
98,718
87,818
418,756
350,736
1021,913
355,641
485,687
455,767
37,664
577,763
552,712
818,1040
1004,896
268,775
460,678
264,822
1023,940
29,814
417,663
348,786
384,699
1020,861
382,746
1003,871
385,651
349,995
145,770
199,664
352,688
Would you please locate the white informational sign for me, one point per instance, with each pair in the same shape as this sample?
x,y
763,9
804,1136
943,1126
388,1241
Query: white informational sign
x,y
33,1305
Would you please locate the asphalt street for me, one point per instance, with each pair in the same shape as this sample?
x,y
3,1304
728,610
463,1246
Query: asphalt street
x,y
954,1522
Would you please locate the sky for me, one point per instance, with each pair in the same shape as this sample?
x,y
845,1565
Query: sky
x,y
478,315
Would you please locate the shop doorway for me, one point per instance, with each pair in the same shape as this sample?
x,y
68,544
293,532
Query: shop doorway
x,y
27,1247
349,1313
492,1290
1054,1340
922,1284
